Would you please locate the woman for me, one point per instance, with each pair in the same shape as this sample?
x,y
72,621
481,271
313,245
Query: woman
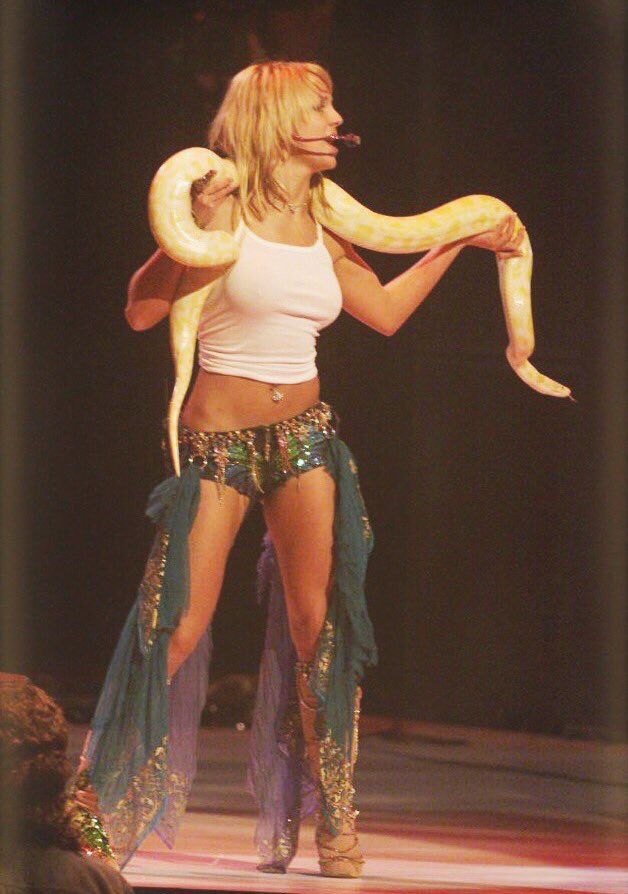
x,y
41,832
254,428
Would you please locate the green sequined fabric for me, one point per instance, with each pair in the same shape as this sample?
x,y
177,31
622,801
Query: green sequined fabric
x,y
94,839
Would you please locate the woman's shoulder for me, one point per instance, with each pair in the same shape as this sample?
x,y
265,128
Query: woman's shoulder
x,y
336,246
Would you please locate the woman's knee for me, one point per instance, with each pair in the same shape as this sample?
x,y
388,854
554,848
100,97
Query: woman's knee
x,y
306,618
185,638
210,541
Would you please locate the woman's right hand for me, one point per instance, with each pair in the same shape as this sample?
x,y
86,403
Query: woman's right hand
x,y
208,193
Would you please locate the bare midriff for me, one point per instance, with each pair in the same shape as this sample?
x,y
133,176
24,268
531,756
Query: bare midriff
x,y
220,402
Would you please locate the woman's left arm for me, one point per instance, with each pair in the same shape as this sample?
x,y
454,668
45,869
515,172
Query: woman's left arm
x,y
386,307
412,287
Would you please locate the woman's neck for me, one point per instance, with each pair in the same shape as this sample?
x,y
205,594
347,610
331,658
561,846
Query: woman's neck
x,y
296,179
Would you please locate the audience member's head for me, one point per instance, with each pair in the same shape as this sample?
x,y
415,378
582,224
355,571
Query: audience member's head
x,y
34,768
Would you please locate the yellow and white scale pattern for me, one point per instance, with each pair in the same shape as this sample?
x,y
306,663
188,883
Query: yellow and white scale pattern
x,y
208,255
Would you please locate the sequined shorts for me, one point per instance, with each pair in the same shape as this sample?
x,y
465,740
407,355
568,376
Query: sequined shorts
x,y
255,461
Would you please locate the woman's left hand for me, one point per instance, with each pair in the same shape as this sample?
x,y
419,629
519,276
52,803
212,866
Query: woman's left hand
x,y
500,240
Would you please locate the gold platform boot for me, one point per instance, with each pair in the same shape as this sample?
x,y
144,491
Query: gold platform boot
x,y
339,855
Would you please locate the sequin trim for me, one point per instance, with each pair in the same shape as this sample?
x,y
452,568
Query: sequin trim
x,y
290,730
136,811
268,453
325,651
334,770
367,531
150,590
281,852
336,782
178,787
356,722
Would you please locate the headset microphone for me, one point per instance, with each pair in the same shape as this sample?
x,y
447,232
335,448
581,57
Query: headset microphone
x,y
346,140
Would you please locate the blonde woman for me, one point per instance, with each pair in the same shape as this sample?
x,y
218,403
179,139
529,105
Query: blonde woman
x,y
255,430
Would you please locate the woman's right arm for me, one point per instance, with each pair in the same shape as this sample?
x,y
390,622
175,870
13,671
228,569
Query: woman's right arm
x,y
153,287
151,291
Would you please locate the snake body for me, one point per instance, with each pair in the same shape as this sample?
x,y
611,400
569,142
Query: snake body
x,y
174,229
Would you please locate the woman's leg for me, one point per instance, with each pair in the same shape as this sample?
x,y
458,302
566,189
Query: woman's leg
x,y
299,515
210,541
211,537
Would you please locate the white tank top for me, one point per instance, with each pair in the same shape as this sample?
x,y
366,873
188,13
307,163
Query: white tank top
x,y
262,319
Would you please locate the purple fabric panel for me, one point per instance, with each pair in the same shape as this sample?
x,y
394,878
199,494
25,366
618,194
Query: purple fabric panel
x,y
186,699
275,776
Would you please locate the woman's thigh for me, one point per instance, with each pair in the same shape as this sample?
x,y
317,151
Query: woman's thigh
x,y
210,540
300,516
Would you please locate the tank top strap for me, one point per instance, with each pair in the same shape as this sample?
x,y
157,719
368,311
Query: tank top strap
x,y
239,230
319,232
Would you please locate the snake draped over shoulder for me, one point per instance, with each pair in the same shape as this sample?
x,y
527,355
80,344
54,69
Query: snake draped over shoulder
x,y
174,229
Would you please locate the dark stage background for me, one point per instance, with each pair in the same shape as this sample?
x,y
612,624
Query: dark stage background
x,y
493,586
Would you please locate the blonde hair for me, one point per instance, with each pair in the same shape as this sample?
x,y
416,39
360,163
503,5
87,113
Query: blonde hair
x,y
263,106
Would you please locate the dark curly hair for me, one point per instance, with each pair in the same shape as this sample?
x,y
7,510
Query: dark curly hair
x,y
34,768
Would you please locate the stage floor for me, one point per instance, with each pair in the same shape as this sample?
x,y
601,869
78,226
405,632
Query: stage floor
x,y
442,809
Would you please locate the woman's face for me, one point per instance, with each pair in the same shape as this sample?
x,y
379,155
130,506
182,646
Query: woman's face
x,y
322,121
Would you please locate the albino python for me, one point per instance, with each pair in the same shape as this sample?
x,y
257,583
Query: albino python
x,y
174,229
